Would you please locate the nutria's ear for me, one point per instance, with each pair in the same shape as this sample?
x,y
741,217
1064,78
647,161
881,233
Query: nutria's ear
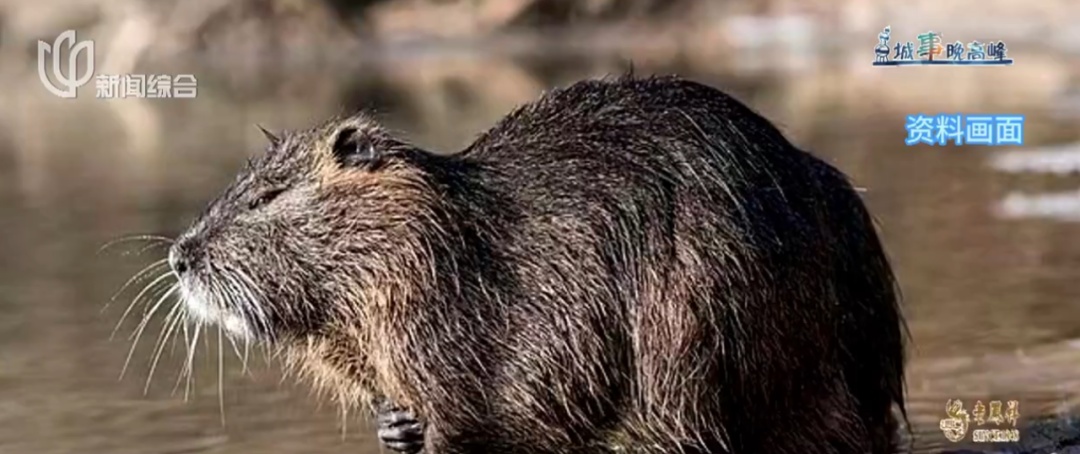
x,y
353,148
274,140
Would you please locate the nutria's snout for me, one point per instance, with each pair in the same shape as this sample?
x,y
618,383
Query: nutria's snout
x,y
209,297
182,256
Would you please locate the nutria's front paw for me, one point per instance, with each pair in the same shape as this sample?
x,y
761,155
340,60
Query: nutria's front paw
x,y
399,430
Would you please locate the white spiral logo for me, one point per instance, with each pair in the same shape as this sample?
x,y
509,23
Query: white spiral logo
x,y
72,81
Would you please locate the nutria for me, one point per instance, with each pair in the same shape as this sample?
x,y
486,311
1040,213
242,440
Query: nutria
x,y
627,264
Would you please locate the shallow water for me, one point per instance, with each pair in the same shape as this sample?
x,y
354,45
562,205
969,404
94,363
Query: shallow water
x,y
991,300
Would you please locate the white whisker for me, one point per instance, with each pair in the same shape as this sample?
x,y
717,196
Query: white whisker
x,y
221,378
236,351
175,316
344,421
255,301
231,297
236,299
139,276
206,342
142,326
247,347
148,313
187,346
189,366
135,301
128,239
150,246
224,297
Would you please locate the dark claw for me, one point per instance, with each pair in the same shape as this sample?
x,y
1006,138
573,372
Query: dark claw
x,y
399,430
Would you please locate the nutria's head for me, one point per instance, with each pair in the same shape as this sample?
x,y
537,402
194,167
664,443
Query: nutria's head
x,y
304,232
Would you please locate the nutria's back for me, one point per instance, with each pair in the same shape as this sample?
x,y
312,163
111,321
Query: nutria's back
x,y
634,263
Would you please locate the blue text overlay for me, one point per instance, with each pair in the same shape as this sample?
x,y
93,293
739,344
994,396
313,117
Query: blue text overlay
x,y
964,129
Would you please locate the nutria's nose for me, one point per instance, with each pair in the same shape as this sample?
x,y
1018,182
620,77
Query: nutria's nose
x,y
181,256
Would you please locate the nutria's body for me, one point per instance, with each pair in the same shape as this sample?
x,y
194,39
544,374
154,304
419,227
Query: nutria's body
x,y
642,264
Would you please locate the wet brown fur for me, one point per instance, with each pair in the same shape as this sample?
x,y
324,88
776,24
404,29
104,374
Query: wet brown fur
x,y
634,264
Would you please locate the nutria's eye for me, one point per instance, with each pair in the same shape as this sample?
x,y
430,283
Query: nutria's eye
x,y
265,198
352,148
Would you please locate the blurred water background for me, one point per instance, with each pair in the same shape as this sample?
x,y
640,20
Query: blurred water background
x,y
984,240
